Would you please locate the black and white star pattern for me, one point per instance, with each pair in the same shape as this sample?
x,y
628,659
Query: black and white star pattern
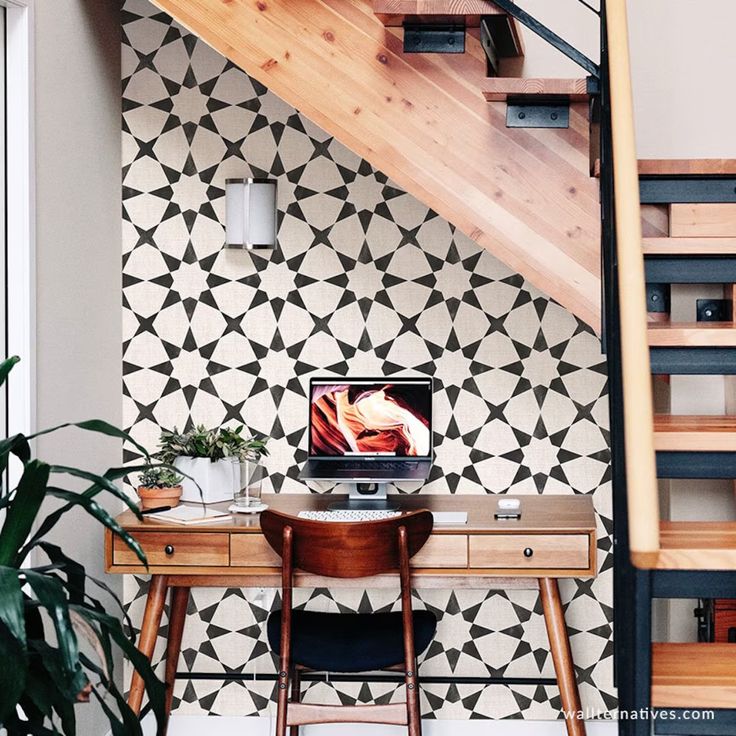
x,y
366,281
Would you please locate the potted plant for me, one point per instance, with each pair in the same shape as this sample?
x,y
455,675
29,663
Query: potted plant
x,y
205,457
46,598
159,486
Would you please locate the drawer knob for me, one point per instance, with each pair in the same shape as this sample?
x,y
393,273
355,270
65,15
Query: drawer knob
x,y
528,552
169,549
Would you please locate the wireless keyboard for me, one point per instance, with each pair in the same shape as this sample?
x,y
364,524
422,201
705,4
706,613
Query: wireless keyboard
x,y
345,515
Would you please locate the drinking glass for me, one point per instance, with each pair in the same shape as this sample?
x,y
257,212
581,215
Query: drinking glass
x,y
248,479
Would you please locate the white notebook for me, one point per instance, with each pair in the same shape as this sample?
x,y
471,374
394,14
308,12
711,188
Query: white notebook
x,y
450,517
190,515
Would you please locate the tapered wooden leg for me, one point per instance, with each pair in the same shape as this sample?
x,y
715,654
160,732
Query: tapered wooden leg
x,y
559,645
296,694
149,631
414,714
177,617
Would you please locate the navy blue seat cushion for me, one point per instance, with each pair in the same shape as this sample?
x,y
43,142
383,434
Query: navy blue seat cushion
x,y
349,642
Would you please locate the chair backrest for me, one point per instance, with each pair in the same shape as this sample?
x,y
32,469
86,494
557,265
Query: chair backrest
x,y
346,549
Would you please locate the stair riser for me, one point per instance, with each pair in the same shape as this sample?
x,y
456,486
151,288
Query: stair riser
x,y
689,270
693,584
680,190
692,465
693,361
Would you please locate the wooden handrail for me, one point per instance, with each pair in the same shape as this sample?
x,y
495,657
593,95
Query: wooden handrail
x,y
641,476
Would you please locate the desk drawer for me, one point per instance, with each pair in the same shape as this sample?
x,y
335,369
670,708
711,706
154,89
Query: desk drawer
x,y
526,551
252,550
176,548
443,550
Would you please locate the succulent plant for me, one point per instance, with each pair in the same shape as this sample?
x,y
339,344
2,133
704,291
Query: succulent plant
x,y
159,477
215,444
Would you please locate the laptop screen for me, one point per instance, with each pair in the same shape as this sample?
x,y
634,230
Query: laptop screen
x,y
370,417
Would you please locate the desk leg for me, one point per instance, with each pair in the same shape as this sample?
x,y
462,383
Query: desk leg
x,y
177,617
559,643
149,632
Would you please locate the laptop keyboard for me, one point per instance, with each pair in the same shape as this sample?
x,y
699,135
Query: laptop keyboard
x,y
367,466
347,515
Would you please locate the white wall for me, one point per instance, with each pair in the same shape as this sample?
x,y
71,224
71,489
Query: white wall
x,y
78,249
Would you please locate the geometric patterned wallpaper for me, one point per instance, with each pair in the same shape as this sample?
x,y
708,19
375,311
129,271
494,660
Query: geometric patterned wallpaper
x,y
366,281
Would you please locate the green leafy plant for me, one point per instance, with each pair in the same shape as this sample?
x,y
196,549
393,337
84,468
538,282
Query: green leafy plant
x,y
215,444
46,605
159,477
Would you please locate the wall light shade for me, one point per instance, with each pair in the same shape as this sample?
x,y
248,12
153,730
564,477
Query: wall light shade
x,y
250,214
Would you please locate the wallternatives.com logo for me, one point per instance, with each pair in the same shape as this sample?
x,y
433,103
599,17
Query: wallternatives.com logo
x,y
645,714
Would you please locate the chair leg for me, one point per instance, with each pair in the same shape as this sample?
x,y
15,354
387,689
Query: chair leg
x,y
296,694
414,715
283,700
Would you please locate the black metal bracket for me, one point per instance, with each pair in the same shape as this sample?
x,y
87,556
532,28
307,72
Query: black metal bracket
x,y
713,310
510,7
537,116
498,41
431,38
658,298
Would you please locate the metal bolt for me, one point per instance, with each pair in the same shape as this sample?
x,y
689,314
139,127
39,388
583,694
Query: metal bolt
x,y
282,674
708,312
655,297
554,116
450,40
410,674
282,686
522,115
410,686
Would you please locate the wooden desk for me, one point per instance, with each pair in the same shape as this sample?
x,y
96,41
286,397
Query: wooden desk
x,y
555,538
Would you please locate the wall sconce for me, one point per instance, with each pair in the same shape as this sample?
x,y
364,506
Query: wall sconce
x,y
250,214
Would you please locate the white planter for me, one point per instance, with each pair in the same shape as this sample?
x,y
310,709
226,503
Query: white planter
x,y
216,479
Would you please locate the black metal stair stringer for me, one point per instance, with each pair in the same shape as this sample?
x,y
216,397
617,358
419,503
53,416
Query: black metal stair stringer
x,y
536,26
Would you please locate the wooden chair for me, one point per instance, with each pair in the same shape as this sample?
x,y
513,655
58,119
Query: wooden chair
x,y
336,642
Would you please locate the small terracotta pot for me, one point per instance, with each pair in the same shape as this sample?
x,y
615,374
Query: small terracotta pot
x,y
153,497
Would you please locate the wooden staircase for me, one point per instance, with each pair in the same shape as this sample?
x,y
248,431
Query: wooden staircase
x,y
686,234
525,194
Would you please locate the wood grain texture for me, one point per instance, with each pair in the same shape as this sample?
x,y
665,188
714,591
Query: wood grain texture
x,y
689,246
692,545
703,220
559,644
675,433
685,167
682,167
692,334
436,7
366,549
499,89
525,194
655,221
155,602
446,564
177,619
558,551
308,713
176,548
693,675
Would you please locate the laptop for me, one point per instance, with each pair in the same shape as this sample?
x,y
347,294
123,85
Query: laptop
x,y
369,430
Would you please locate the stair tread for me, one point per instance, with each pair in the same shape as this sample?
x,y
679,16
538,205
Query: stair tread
x,y
436,7
689,246
692,334
682,167
692,545
695,433
498,89
693,675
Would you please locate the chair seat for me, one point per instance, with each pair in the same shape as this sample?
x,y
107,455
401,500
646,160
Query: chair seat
x,y
350,642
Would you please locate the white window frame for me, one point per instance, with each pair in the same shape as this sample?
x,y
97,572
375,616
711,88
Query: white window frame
x,y
21,262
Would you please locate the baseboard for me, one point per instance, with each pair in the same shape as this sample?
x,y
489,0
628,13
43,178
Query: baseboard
x,y
233,726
